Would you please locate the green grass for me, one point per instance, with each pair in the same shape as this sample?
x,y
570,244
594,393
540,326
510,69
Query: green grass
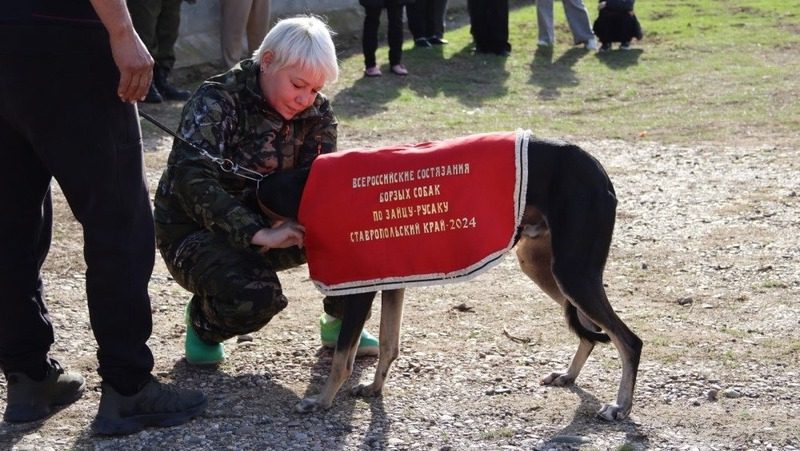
x,y
706,70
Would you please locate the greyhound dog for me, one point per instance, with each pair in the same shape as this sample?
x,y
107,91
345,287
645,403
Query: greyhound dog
x,y
564,241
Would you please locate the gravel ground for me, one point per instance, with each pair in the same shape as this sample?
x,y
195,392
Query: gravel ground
x,y
704,267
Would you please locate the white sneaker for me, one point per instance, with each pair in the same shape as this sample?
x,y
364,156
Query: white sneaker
x,y
543,43
591,44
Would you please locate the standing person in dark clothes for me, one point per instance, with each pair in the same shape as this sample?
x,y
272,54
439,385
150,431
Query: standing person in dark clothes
x,y
157,22
616,22
426,22
81,128
369,38
489,26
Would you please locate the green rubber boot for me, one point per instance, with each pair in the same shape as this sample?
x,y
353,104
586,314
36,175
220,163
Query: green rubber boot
x,y
198,352
329,328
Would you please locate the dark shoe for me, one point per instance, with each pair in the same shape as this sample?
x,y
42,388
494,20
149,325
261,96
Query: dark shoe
x,y
422,43
606,46
30,400
438,41
625,45
168,91
153,96
156,404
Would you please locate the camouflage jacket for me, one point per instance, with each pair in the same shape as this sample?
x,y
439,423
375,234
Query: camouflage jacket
x,y
229,117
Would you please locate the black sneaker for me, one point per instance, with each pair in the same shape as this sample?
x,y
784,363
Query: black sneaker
x,y
170,92
156,404
605,47
422,43
31,400
625,45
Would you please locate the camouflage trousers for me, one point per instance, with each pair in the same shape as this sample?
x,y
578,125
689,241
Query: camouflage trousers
x,y
236,291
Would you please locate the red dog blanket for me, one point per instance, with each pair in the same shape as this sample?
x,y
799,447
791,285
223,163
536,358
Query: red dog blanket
x,y
410,215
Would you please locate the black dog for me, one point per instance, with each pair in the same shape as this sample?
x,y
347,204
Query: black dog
x,y
564,243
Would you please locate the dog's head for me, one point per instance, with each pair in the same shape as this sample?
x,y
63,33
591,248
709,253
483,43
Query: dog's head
x,y
279,193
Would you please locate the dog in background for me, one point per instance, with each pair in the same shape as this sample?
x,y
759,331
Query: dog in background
x,y
616,22
564,242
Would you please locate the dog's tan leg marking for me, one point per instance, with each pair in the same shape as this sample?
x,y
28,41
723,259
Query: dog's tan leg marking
x,y
563,379
534,255
391,319
341,369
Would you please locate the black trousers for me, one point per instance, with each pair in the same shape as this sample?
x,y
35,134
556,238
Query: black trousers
x,y
60,118
369,38
426,18
489,25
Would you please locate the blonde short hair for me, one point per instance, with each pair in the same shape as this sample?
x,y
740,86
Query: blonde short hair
x,y
305,41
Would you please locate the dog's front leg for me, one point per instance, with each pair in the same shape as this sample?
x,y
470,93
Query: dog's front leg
x,y
391,318
356,310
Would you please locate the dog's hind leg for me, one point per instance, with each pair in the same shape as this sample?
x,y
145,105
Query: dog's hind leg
x,y
589,296
356,310
535,259
580,240
391,318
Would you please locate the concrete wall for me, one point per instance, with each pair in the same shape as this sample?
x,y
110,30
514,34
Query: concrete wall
x,y
199,32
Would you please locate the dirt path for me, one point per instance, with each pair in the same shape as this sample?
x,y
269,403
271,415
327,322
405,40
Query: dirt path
x,y
705,267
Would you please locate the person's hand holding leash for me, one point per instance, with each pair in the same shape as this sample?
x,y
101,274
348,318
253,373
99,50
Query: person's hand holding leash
x,y
282,234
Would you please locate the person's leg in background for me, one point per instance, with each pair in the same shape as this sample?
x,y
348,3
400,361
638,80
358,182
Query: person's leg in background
x,y
233,20
579,24
437,17
258,24
144,15
496,13
167,27
415,12
394,15
544,21
369,40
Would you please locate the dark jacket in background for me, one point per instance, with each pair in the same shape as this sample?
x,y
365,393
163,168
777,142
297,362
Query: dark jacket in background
x,y
617,23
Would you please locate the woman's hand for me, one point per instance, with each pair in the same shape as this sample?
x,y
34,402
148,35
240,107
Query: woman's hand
x,y
281,235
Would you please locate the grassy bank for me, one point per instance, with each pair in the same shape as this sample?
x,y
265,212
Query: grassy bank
x,y
705,71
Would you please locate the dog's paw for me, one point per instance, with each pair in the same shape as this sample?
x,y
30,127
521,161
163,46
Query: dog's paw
x,y
612,412
307,405
557,379
365,391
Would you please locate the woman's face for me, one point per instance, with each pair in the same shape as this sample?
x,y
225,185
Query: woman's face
x,y
289,90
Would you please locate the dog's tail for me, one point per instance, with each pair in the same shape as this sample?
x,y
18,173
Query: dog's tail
x,y
576,326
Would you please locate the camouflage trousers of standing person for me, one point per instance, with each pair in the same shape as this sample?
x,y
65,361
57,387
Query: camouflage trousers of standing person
x,y
157,22
236,291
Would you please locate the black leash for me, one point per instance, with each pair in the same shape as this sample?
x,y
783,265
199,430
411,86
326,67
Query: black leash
x,y
225,164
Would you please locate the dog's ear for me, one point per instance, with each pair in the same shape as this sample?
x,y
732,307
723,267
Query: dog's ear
x,y
279,193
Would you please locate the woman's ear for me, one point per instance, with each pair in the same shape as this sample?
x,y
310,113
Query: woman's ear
x,y
266,59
